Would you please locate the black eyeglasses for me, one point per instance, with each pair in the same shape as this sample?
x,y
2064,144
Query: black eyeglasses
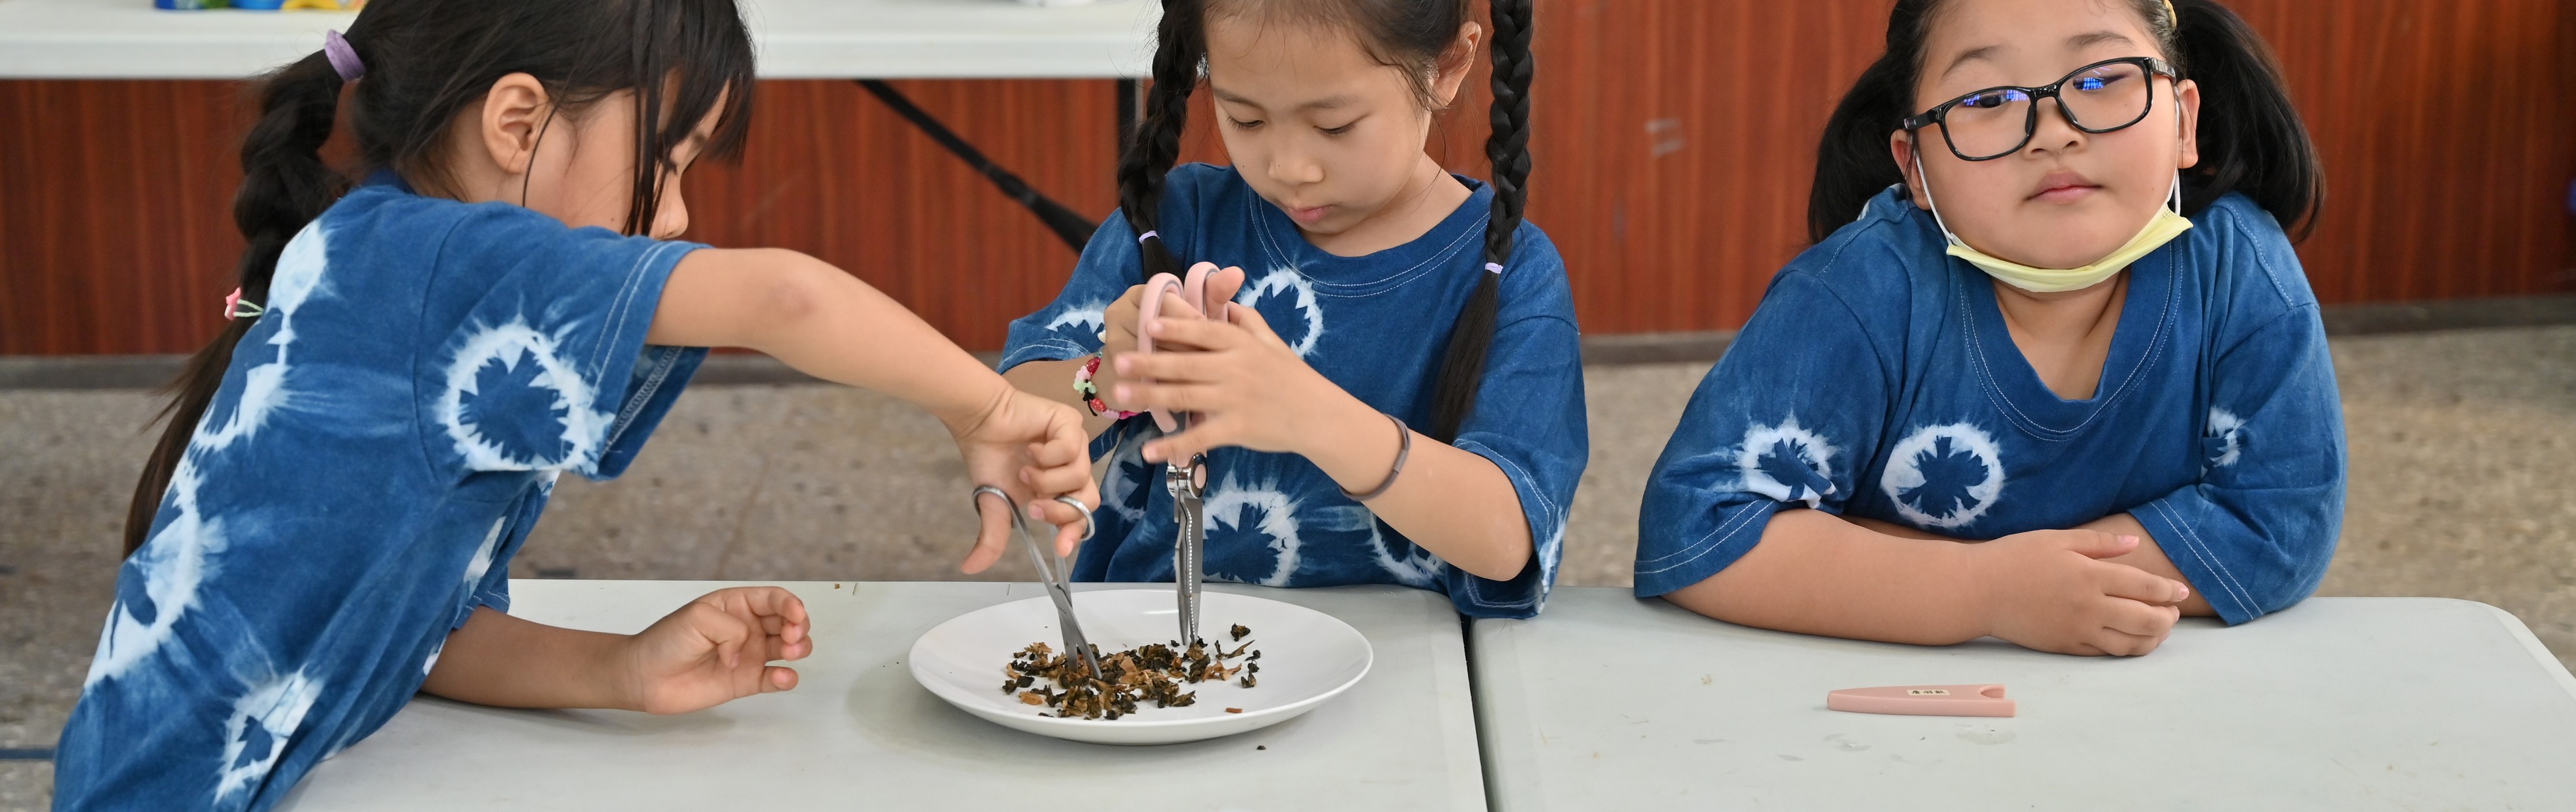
x,y
1999,121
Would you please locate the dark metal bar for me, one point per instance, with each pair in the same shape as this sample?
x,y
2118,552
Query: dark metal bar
x,y
1068,225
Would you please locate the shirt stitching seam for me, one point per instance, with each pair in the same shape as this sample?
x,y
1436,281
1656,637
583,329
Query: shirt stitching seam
x,y
2227,579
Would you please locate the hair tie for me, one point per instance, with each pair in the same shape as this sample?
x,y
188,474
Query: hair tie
x,y
2172,16
1141,238
235,308
343,58
1493,267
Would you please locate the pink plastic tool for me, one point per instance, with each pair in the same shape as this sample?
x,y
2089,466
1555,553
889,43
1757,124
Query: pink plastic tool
x,y
1195,292
1923,700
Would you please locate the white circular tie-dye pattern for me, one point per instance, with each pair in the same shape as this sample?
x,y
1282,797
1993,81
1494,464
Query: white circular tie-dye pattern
x,y
1812,450
1281,281
2227,428
278,708
1092,317
1418,568
1905,473
178,559
173,564
1128,472
509,344
299,274
1278,521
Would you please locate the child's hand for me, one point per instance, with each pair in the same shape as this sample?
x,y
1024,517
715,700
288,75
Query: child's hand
x,y
1118,337
717,649
1248,386
1034,449
2047,590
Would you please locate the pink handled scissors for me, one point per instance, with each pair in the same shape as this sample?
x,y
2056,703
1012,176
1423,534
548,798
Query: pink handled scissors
x,y
1186,480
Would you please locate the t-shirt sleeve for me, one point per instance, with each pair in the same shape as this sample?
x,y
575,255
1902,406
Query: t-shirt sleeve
x,y
534,355
1529,422
1070,326
2255,533
1784,420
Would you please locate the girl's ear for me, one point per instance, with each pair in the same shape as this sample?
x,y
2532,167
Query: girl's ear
x,y
1455,63
2187,95
514,117
1900,145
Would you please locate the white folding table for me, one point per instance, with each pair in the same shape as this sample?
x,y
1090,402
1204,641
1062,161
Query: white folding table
x,y
1609,702
865,40
798,39
859,733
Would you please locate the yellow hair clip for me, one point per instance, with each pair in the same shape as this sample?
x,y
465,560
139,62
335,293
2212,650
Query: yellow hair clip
x,y
2172,17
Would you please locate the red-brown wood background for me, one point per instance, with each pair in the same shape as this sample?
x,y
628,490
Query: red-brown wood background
x,y
1674,143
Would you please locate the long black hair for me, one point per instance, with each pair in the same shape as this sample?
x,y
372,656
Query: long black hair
x,y
426,62
1409,34
2251,138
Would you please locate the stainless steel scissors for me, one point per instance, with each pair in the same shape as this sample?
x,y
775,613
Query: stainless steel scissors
x,y
1185,480
1053,570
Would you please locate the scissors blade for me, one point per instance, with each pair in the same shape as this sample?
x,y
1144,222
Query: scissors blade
x,y
1189,550
1074,641
1055,575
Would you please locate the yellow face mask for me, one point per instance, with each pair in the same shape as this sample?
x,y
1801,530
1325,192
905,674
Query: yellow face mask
x,y
2162,228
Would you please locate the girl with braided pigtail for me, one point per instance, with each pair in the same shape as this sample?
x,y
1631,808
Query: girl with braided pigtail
x,y
1392,392
327,525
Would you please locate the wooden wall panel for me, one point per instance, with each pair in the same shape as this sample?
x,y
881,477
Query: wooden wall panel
x,y
1674,144
829,171
2446,130
116,231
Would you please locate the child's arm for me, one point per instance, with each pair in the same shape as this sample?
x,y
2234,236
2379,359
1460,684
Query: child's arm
x,y
1815,573
1787,421
2148,557
829,324
1253,391
2257,530
714,650
1053,380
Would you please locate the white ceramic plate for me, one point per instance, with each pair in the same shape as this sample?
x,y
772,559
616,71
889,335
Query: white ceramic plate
x,y
1307,657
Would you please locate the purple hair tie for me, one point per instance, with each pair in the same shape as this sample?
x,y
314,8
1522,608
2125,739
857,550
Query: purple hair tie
x,y
343,58
1493,267
1141,238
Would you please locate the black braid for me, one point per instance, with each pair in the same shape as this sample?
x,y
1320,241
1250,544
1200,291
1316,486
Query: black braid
x,y
1180,45
285,184
1462,367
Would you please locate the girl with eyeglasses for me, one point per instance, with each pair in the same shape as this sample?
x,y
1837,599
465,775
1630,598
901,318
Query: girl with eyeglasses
x,y
2051,372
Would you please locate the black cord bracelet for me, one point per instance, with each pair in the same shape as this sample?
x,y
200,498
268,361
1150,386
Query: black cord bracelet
x,y
1404,438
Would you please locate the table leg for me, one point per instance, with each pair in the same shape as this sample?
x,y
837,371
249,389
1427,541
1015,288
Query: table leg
x,y
1067,224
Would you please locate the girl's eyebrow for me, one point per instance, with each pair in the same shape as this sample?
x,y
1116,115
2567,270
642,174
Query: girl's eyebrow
x,y
2092,38
2074,43
1325,103
1986,53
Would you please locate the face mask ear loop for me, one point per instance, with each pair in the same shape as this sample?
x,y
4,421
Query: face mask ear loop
x,y
1935,205
2173,198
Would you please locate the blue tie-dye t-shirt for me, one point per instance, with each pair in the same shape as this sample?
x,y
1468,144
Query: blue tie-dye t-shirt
x,y
1375,325
383,440
1878,380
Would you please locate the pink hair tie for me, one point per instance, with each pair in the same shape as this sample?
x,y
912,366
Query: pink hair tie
x,y
1141,238
235,308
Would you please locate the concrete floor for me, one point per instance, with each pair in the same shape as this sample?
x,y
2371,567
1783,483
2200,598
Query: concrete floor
x,y
2460,443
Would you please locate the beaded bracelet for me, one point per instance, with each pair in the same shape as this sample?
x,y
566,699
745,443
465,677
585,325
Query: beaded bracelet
x,y
1090,393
